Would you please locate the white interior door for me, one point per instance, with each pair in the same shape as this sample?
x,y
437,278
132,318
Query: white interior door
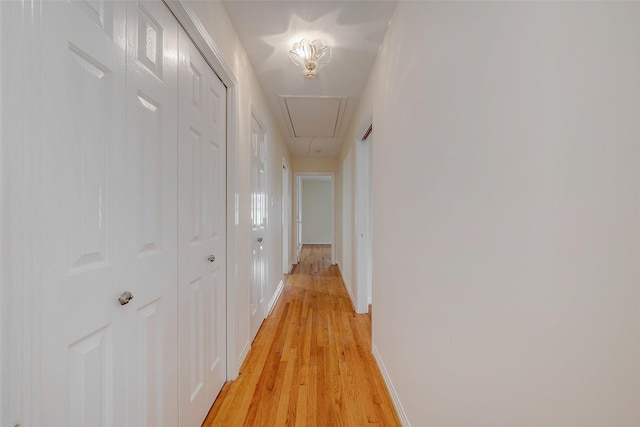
x,y
150,160
202,234
83,340
258,227
298,218
363,226
286,219
107,211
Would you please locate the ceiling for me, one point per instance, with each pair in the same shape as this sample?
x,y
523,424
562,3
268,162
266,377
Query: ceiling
x,y
313,115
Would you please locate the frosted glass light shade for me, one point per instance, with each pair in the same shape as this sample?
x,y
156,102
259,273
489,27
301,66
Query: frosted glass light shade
x,y
311,56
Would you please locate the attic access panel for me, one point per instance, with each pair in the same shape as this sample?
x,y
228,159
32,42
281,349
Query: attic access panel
x,y
313,116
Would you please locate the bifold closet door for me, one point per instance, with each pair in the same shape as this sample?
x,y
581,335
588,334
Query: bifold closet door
x,y
106,189
202,234
82,178
151,168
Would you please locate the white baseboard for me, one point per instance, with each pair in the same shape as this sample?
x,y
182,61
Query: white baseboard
x,y
243,354
404,420
348,286
272,303
275,297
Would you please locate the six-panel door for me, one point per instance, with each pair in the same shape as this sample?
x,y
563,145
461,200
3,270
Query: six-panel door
x,y
202,234
259,206
83,354
150,215
107,188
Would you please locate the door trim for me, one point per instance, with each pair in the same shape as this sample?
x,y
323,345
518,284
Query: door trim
x,y
203,41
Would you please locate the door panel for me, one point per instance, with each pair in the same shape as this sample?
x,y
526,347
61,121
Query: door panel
x,y
80,198
151,383
201,234
217,323
88,241
91,372
257,302
150,162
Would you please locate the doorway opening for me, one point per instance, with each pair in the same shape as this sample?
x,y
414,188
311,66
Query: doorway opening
x,y
314,211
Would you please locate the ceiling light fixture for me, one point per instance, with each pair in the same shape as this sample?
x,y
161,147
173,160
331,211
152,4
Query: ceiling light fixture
x,y
311,56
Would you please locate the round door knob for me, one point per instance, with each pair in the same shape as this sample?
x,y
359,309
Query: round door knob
x,y
259,239
211,258
125,298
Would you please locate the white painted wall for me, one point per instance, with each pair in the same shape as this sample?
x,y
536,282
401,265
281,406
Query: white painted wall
x,y
216,22
507,212
317,211
314,165
4,301
5,397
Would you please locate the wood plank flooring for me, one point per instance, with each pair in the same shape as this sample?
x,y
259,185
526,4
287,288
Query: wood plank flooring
x,y
311,362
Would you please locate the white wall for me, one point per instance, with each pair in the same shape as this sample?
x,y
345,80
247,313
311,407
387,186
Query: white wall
x,y
4,306
4,297
317,211
217,23
507,212
314,165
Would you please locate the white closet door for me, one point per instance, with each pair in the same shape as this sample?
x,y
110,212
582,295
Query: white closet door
x,y
80,192
202,234
108,215
150,215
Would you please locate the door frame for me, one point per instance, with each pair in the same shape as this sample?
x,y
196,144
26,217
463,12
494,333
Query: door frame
x,y
19,357
297,202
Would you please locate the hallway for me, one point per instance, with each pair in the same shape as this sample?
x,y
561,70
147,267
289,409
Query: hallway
x,y
311,363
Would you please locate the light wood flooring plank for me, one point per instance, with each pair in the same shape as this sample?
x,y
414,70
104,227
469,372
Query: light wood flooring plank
x,y
311,362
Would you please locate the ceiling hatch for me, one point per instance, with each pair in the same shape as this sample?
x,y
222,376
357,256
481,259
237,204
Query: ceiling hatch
x,y
313,116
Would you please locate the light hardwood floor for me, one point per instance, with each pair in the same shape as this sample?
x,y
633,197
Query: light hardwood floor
x,y
311,362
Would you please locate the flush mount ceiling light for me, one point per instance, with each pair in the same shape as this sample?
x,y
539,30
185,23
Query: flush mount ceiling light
x,y
311,56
